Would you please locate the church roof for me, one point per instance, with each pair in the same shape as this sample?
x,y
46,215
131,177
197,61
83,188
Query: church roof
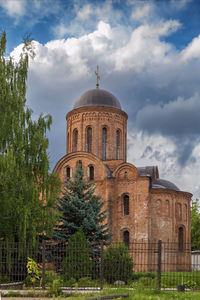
x,y
164,184
97,97
152,171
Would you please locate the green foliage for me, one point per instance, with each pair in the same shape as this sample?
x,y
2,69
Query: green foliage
x,y
55,288
86,282
77,263
80,208
4,279
118,264
138,275
195,225
32,270
27,190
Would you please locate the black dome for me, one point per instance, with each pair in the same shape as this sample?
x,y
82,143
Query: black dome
x,y
164,184
97,97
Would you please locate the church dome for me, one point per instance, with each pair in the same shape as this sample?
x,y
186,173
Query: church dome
x,y
164,184
97,97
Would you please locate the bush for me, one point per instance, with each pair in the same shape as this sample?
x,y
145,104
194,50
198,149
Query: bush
x,y
118,264
190,284
4,279
77,263
138,275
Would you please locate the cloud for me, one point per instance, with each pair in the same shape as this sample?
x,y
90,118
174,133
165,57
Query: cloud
x,y
86,17
157,150
30,12
179,117
14,8
145,47
84,13
141,12
159,92
179,4
192,50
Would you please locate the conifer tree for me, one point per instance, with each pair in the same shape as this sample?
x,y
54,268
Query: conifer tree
x,y
27,190
81,208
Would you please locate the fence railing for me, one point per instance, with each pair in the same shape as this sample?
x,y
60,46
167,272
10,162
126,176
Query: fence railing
x,y
158,264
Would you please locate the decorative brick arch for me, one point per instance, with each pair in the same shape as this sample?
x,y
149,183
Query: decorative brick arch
x,y
126,171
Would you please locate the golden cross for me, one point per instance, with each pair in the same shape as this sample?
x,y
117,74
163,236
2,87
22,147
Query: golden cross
x,y
98,77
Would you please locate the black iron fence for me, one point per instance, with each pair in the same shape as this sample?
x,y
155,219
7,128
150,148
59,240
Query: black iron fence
x,y
162,265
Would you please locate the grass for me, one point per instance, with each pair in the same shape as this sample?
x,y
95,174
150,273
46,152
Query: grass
x,y
133,295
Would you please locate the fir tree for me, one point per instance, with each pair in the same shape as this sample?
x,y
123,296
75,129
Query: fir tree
x,y
27,190
81,208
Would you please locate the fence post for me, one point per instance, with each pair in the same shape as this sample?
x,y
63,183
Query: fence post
x,y
43,264
159,263
101,266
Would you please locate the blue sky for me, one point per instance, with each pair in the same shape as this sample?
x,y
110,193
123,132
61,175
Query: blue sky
x,y
149,58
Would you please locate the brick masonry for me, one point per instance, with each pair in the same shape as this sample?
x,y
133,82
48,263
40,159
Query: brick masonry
x,y
153,213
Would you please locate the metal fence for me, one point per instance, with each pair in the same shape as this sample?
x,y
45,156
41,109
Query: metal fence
x,y
161,265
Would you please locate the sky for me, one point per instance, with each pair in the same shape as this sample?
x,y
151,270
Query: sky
x,y
148,53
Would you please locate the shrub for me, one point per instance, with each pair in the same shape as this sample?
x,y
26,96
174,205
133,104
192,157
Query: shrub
x,y
77,263
138,275
190,284
118,264
4,279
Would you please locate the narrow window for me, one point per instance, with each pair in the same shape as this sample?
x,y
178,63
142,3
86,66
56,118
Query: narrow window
x,y
118,144
68,172
180,239
89,139
68,143
91,172
126,204
104,141
126,238
79,163
75,140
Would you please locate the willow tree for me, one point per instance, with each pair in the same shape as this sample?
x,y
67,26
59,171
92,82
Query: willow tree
x,y
27,189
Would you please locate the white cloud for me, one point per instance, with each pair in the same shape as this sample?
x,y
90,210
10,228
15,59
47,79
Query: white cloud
x,y
86,18
192,50
180,4
84,13
178,117
141,12
145,47
14,8
143,71
162,152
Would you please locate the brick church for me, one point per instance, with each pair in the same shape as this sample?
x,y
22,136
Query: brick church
x,y
139,204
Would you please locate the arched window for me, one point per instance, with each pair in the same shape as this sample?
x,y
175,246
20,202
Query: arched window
x,y
104,141
68,143
75,140
126,238
89,139
118,137
68,173
91,172
180,239
126,204
79,163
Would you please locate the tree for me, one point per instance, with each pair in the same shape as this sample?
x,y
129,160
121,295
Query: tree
x,y
27,189
195,225
81,208
118,264
77,263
